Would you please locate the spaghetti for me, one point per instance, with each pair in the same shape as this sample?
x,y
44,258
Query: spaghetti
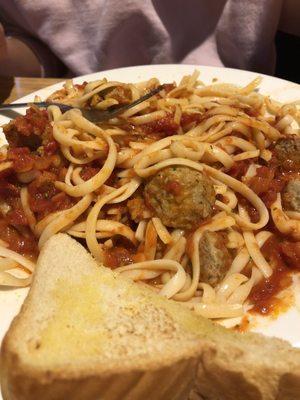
x,y
181,192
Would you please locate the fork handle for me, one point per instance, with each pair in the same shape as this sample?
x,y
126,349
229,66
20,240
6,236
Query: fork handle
x,y
64,107
43,104
20,105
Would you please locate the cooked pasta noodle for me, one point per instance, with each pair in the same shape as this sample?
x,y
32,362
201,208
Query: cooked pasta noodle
x,y
179,193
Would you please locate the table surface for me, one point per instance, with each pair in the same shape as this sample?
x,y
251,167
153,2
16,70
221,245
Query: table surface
x,y
13,88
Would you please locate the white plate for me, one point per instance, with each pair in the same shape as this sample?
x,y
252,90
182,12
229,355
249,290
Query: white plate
x,y
287,326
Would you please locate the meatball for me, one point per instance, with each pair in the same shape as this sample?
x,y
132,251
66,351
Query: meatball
x,y
291,196
180,196
287,152
215,259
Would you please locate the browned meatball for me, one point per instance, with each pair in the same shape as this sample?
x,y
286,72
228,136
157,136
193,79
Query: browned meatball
x,y
180,196
287,152
291,196
215,259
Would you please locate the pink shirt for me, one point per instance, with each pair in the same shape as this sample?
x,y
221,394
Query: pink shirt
x,y
94,35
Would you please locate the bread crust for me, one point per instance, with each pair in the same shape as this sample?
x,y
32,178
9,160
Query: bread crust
x,y
220,380
172,382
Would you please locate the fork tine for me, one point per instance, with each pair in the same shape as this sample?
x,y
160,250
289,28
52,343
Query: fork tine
x,y
105,115
92,115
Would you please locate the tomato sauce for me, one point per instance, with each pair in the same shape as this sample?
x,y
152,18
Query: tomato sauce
x,y
264,295
138,207
262,181
17,217
187,119
291,254
21,241
51,148
173,187
81,86
33,148
33,152
8,189
164,126
88,172
252,211
117,257
239,168
267,183
44,198
30,130
167,126
243,326
169,86
22,159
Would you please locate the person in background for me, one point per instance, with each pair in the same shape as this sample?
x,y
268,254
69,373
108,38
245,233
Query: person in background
x,y
75,37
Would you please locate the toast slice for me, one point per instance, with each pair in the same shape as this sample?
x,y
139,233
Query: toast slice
x,y
85,332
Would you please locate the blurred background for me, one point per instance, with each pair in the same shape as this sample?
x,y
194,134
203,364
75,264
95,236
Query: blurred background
x,y
287,41
71,37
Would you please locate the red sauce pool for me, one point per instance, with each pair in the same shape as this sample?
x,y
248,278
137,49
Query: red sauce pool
x,y
264,295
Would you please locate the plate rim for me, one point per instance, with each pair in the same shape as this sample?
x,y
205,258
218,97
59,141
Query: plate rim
x,y
134,68
147,69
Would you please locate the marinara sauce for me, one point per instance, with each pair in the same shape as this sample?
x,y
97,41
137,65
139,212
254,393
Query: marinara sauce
x,y
284,256
36,164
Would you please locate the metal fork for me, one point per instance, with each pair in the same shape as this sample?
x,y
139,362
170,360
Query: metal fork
x,y
90,114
